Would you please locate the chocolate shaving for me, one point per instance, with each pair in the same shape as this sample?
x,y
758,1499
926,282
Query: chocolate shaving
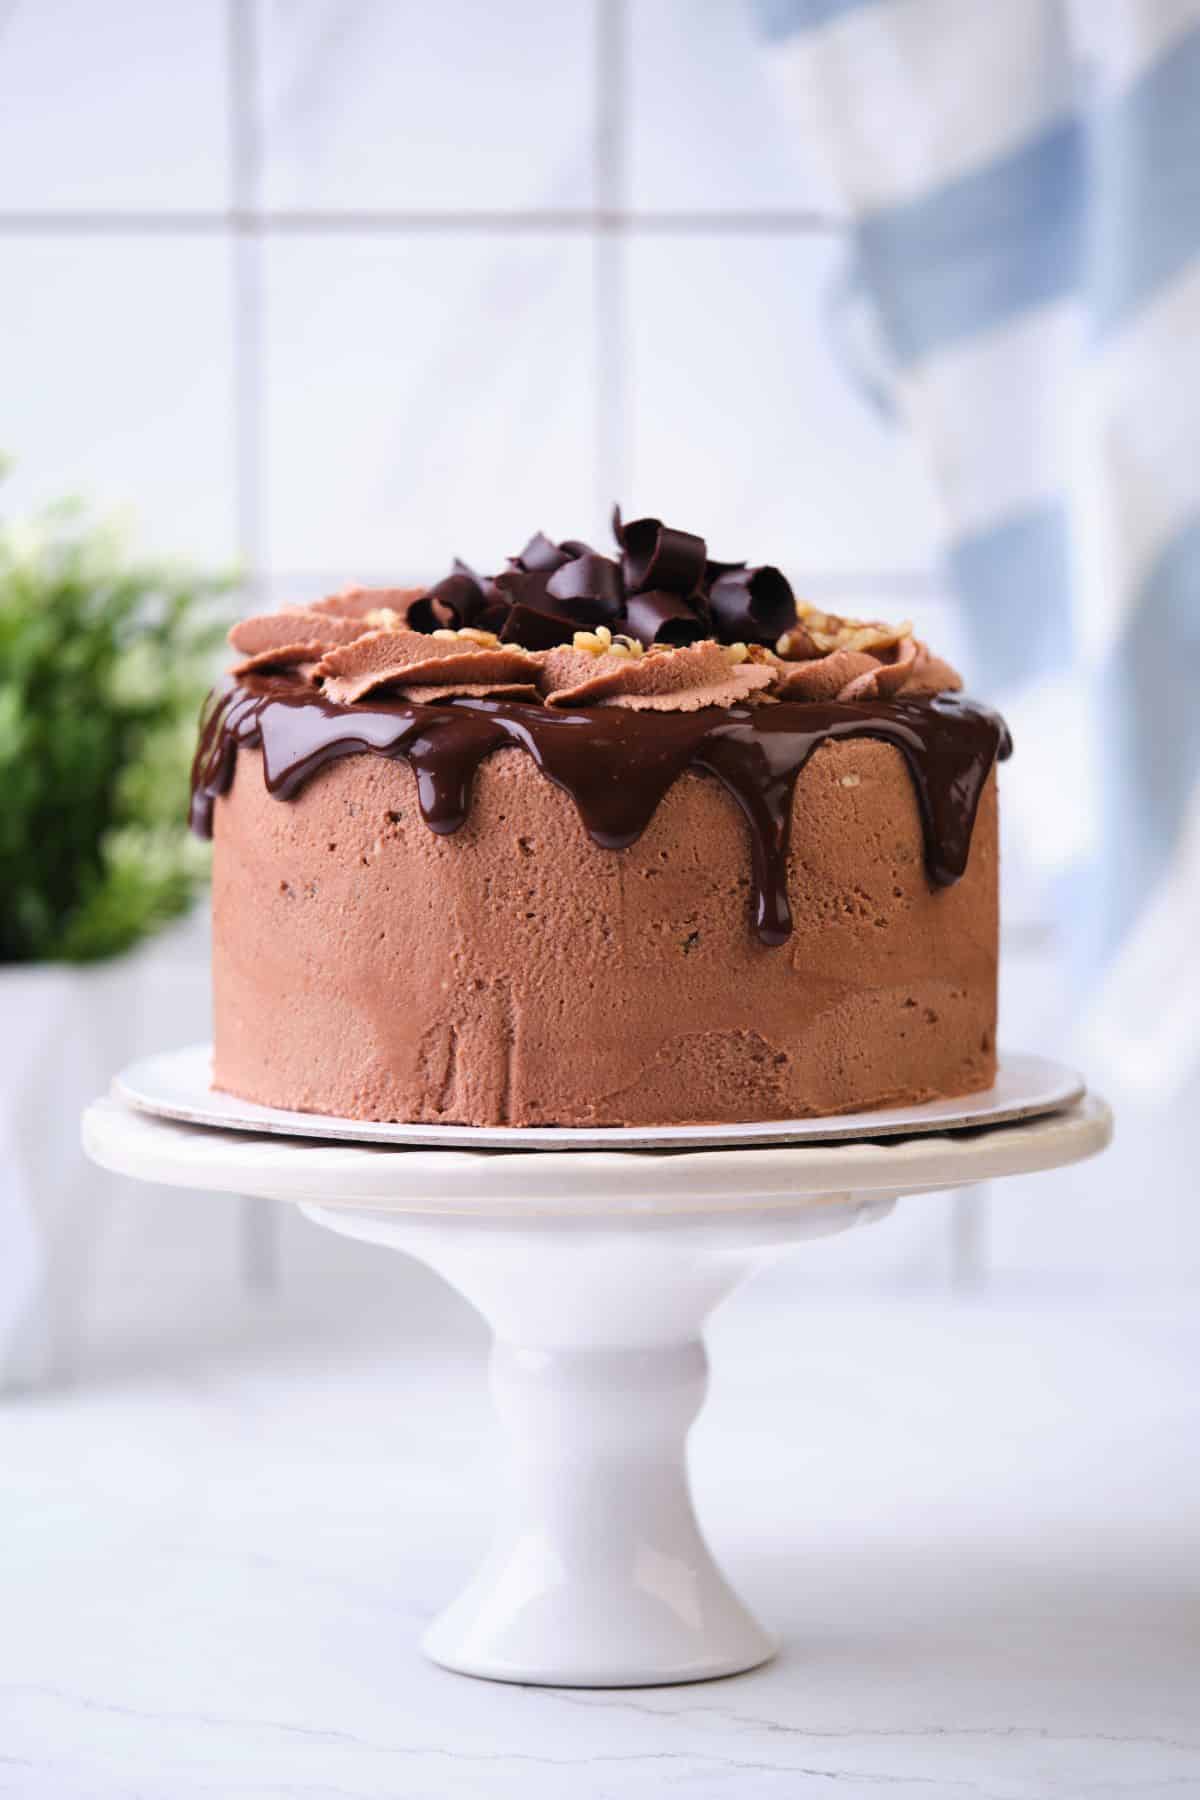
x,y
517,586
541,555
594,583
663,590
663,619
751,606
455,600
534,629
655,555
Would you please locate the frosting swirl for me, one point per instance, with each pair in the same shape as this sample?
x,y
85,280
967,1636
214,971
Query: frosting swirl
x,y
660,627
664,681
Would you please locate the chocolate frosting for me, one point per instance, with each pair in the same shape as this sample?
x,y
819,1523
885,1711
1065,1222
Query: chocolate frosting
x,y
616,764
660,681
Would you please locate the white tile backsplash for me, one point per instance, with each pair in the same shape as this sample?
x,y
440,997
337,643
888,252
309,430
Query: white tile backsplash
x,y
370,107
115,372
706,130
431,393
743,426
113,106
426,398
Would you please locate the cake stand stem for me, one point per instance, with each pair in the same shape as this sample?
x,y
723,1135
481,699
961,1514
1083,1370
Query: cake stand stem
x,y
598,1574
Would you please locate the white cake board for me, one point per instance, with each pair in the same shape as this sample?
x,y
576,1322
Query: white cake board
x,y
596,1271
176,1084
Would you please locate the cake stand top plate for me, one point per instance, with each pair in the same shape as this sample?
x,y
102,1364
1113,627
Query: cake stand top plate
x,y
175,1084
619,1185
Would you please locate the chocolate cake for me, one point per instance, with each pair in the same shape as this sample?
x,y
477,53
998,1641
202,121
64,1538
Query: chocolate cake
x,y
597,840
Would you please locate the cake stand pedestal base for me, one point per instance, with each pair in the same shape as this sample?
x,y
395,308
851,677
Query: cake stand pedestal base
x,y
598,1574
596,1272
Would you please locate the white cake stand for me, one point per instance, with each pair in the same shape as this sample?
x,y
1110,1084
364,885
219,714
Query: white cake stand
x,y
596,1271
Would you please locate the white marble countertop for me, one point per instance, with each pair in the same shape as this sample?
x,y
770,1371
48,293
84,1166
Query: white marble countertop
x,y
976,1527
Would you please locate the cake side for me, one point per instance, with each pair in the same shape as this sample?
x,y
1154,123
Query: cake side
x,y
515,972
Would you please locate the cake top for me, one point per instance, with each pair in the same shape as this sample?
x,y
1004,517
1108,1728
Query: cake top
x,y
659,627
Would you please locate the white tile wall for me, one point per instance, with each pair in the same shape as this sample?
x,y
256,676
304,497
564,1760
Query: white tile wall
x,y
120,105
368,106
426,397
393,372
116,381
705,131
743,425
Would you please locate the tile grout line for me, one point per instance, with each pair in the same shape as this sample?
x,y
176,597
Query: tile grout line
x,y
258,1225
257,222
609,254
241,82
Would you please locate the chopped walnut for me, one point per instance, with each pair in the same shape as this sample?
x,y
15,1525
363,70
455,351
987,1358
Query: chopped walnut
x,y
601,642
797,645
875,636
818,634
487,640
596,643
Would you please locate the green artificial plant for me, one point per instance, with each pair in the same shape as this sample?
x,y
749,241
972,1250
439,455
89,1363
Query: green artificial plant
x,y
104,661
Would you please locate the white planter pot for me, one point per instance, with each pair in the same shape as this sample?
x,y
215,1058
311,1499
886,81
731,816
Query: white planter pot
x,y
63,1030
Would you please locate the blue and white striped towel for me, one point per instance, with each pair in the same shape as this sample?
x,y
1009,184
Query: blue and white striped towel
x,y
1023,185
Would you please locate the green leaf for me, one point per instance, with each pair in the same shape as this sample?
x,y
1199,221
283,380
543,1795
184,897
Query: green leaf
x,y
104,661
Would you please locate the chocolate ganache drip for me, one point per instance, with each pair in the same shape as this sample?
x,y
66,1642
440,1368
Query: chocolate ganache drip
x,y
662,589
616,765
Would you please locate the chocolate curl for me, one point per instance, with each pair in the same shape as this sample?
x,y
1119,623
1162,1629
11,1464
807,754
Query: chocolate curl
x,y
568,581
752,606
431,613
457,600
663,590
518,586
492,616
590,588
657,557
540,556
658,618
535,629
